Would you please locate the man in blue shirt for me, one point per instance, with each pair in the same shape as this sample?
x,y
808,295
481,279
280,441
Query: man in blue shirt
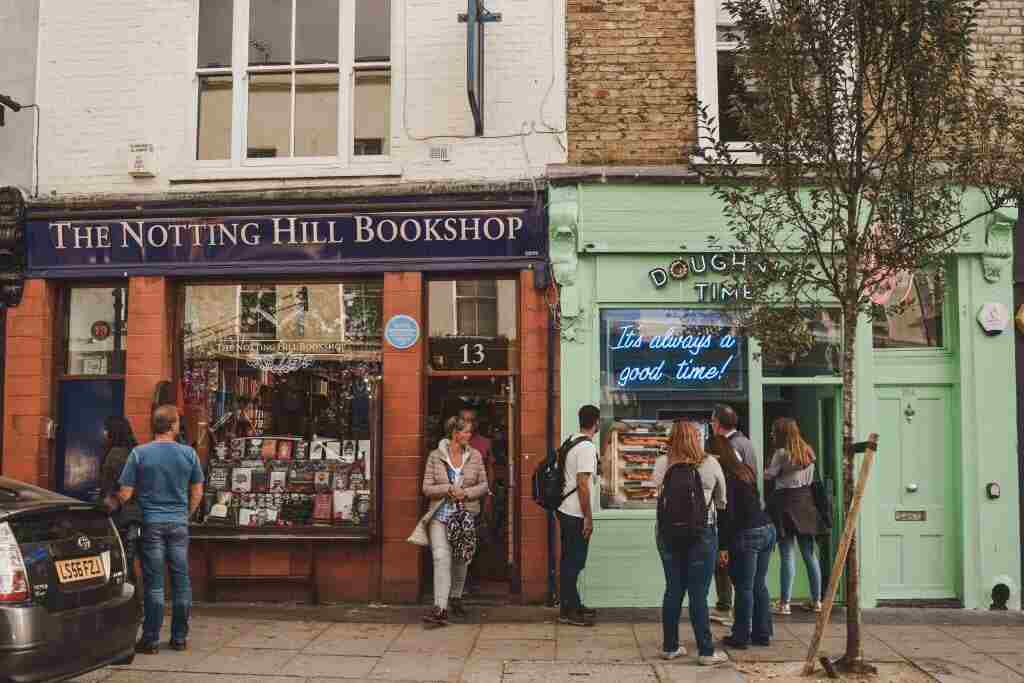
x,y
166,479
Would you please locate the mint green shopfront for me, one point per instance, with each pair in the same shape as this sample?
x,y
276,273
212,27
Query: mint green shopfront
x,y
640,264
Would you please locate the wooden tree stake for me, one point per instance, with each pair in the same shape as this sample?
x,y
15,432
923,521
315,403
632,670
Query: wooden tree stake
x,y
844,547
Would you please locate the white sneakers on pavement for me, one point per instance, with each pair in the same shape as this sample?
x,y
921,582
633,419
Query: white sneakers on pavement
x,y
678,652
714,659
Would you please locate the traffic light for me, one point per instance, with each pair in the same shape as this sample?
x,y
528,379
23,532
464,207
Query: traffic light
x,y
12,246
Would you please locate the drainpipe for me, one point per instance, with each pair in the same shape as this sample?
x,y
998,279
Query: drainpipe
x,y
552,598
1018,301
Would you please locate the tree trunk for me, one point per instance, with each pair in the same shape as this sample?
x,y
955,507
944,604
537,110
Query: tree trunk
x,y
853,660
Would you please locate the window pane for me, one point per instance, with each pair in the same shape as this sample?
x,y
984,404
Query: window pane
x,y
825,356
316,31
285,423
908,312
215,21
731,90
372,111
270,32
97,330
473,324
270,101
316,114
214,127
373,30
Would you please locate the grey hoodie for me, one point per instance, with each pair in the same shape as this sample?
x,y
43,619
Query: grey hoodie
x,y
786,474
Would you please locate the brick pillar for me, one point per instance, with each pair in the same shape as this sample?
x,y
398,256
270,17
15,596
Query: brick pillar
x,y
150,348
404,396
28,386
533,403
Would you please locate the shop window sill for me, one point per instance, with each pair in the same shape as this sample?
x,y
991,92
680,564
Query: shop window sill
x,y
207,174
200,532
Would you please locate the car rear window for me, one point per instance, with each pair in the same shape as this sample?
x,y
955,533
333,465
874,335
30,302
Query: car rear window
x,y
59,525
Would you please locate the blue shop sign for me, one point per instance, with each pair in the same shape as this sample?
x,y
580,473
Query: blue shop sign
x,y
671,349
282,243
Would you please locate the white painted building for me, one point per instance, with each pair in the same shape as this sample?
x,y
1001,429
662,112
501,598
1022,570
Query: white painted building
x,y
157,96
18,40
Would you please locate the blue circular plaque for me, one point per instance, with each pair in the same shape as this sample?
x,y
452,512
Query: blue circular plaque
x,y
402,331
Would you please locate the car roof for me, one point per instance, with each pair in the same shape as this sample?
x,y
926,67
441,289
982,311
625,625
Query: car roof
x,y
17,496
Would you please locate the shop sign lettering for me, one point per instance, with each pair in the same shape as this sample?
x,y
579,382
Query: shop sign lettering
x,y
671,349
315,241
702,264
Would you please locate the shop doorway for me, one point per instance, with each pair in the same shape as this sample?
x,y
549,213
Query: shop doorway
x,y
492,401
816,410
917,542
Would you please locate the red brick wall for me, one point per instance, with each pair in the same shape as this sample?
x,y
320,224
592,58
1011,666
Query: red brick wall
x,y
632,77
151,344
28,386
404,397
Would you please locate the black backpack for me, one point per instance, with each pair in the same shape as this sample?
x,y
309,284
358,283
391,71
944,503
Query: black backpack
x,y
682,512
549,477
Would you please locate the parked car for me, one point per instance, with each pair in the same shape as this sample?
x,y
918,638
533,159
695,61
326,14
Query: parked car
x,y
66,599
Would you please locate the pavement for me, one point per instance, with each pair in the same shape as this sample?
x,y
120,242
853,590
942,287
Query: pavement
x,y
253,643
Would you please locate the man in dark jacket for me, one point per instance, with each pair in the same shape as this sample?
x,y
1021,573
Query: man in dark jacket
x,y
724,423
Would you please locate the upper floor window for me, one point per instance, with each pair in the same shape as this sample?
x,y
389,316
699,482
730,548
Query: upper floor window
x,y
907,311
293,79
720,87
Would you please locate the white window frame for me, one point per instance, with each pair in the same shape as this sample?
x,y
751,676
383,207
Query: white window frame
x,y
345,162
706,45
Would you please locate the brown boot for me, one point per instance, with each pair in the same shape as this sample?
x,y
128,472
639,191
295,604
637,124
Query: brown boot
x,y
456,609
436,618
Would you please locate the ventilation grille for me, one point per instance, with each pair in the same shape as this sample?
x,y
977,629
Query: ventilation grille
x,y
440,153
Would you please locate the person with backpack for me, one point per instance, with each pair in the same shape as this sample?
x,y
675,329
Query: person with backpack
x,y
454,480
575,515
792,508
747,532
692,492
725,423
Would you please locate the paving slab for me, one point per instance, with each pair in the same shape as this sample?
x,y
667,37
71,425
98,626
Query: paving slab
x,y
1012,661
590,672
400,666
482,671
874,650
544,631
599,649
246,661
289,635
368,640
179,677
454,640
725,673
780,651
94,676
331,666
972,668
514,649
167,660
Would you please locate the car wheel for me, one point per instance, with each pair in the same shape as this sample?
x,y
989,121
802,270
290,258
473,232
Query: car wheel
x,y
126,661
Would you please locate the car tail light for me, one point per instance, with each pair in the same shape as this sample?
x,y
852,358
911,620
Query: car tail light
x,y
13,577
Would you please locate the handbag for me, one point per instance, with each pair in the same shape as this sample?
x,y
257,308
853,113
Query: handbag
x,y
419,535
461,532
823,502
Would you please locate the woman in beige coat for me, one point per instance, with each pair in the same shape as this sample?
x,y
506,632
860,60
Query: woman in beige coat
x,y
455,472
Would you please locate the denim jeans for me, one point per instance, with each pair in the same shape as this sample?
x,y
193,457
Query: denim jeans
x,y
166,543
788,568
748,567
572,561
689,571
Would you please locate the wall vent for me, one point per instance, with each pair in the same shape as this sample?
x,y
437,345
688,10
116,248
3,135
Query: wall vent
x,y
440,153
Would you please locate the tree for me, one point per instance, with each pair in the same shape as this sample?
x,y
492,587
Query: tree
x,y
881,139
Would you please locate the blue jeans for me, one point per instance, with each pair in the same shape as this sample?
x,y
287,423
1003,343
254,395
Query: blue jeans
x,y
788,569
748,567
166,543
689,571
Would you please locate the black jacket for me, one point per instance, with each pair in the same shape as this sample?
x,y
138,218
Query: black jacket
x,y
794,513
742,512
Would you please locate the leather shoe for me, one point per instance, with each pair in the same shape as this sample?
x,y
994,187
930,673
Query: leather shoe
x,y
733,644
179,645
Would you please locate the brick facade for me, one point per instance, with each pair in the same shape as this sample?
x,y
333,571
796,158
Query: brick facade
x,y
632,80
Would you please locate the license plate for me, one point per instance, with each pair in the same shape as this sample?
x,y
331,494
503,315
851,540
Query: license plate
x,y
80,569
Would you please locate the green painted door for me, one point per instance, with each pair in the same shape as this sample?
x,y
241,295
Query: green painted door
x,y
917,541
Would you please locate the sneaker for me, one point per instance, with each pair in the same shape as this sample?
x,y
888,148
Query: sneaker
x,y
814,606
574,618
179,645
761,643
435,618
674,654
781,608
723,620
144,648
733,644
456,609
713,659
588,612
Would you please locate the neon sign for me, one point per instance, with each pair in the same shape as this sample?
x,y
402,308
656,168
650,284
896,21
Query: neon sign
x,y
671,350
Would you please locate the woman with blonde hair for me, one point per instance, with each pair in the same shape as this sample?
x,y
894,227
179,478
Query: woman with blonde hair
x,y
792,509
689,565
454,476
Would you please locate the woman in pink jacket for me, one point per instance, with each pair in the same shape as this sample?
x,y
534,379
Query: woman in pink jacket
x,y
454,473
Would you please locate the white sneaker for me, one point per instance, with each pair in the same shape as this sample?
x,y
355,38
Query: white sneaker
x,y
714,659
781,608
814,606
678,652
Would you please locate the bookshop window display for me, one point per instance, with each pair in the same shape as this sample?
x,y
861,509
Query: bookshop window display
x,y
282,398
659,365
